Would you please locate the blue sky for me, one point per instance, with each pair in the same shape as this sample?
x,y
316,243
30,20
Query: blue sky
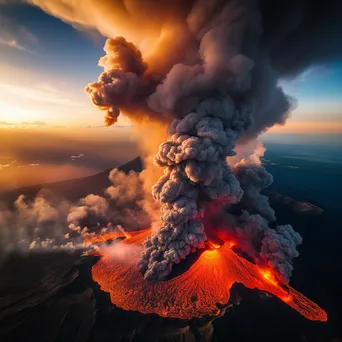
x,y
46,63
59,47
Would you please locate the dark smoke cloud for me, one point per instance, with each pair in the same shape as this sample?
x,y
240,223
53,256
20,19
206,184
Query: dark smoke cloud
x,y
211,70
195,161
274,248
301,33
253,179
279,247
123,80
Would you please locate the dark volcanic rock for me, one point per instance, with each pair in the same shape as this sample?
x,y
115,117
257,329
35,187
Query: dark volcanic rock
x,y
37,300
295,206
29,279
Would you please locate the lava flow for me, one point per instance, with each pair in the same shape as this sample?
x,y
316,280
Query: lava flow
x,y
196,292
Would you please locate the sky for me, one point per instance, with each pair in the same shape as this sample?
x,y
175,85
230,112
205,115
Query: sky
x,y
45,65
50,130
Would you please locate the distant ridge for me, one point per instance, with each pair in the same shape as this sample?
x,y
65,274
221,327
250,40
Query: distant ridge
x,y
72,189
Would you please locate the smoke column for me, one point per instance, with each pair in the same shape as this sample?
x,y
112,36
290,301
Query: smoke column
x,y
210,71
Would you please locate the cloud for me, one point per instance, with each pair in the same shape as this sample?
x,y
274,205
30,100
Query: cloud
x,y
39,94
16,36
31,224
29,165
77,157
5,166
14,164
6,123
25,123
34,123
13,43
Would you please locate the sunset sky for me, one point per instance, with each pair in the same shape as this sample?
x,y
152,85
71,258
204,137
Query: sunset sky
x,y
48,122
46,63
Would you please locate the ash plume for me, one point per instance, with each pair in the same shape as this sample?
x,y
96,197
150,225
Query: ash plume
x,y
210,71
279,247
253,178
194,158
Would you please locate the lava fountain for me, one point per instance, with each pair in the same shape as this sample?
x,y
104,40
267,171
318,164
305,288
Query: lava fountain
x,y
198,291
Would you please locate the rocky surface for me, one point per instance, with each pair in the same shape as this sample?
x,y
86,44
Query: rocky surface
x,y
39,301
297,207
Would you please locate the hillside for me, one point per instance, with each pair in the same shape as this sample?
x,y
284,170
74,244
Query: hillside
x,y
72,189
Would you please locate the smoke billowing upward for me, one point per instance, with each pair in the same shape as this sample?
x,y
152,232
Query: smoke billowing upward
x,y
253,179
47,222
122,204
210,71
32,224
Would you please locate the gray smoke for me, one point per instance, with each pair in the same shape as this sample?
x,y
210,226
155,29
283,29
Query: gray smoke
x,y
121,205
195,161
122,80
278,248
253,179
47,222
38,223
274,248
214,78
217,104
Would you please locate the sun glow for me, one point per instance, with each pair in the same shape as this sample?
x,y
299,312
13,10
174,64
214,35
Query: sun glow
x,y
16,113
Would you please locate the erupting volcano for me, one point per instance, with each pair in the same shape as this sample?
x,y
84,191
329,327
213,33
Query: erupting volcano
x,y
196,292
200,81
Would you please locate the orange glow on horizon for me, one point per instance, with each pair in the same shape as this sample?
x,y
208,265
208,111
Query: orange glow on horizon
x,y
196,292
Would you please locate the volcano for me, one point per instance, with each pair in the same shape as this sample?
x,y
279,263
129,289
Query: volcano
x,y
198,291
94,307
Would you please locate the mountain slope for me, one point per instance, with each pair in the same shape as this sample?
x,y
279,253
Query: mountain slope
x,y
73,189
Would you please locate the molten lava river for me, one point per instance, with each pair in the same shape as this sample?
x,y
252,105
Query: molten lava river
x,y
197,291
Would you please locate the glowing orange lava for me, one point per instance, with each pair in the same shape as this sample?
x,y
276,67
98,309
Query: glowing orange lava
x,y
196,292
267,274
103,238
109,236
214,245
